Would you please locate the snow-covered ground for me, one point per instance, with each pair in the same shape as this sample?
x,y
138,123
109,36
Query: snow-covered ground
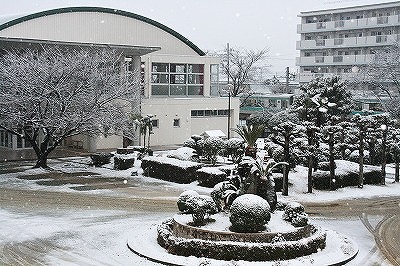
x,y
98,237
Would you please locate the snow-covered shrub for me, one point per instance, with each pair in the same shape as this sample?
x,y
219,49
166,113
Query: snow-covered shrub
x,y
324,166
123,162
211,148
294,213
355,156
196,143
218,192
182,199
346,174
99,159
184,154
300,219
210,176
170,169
249,213
200,206
235,148
281,205
190,143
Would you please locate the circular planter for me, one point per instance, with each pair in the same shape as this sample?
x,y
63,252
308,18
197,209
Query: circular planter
x,y
184,240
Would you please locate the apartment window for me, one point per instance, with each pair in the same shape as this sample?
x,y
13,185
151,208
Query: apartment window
x,y
177,122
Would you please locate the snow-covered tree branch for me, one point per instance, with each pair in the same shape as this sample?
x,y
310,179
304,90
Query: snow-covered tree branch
x,y
53,93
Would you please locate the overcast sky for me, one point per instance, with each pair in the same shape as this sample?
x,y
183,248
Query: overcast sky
x,y
211,24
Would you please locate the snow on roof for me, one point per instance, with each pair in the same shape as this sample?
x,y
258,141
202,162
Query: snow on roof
x,y
213,133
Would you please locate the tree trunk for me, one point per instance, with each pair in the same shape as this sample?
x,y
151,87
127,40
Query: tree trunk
x,y
384,137
331,162
41,162
310,134
285,181
396,171
309,176
361,160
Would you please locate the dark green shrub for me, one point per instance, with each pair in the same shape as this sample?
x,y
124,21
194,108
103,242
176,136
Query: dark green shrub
x,y
294,213
99,159
170,169
123,163
249,213
210,176
183,198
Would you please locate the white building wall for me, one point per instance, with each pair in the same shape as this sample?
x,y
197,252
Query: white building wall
x,y
168,109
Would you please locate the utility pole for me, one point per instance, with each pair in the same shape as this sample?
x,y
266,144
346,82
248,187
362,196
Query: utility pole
x,y
229,92
287,80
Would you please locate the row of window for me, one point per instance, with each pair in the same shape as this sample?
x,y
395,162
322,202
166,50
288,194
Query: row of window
x,y
202,113
170,79
6,140
156,123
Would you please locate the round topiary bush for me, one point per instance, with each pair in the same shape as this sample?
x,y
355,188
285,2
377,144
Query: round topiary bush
x,y
183,198
249,213
294,213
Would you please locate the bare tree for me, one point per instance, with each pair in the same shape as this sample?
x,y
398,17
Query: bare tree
x,y
50,94
242,67
382,78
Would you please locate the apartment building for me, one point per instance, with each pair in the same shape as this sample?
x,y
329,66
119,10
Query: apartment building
x,y
339,41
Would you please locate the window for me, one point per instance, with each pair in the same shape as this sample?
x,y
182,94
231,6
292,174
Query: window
x,y
155,122
159,67
209,113
177,122
177,81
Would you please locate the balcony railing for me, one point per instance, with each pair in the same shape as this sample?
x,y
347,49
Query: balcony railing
x,y
334,60
349,24
307,77
348,42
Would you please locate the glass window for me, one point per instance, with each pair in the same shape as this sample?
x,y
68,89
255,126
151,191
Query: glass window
x,y
154,122
195,69
159,78
177,122
195,90
195,79
178,68
178,79
159,67
178,90
159,89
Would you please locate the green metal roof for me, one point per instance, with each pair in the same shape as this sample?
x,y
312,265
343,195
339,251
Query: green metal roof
x,y
24,18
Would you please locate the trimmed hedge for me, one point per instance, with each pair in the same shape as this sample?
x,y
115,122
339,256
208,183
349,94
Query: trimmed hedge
x,y
347,176
122,163
228,250
99,159
170,169
210,176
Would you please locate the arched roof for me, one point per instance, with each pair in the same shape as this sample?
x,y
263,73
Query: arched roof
x,y
14,21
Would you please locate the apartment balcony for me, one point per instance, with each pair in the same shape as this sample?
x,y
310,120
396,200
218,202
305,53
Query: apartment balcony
x,y
307,77
349,24
366,41
334,60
